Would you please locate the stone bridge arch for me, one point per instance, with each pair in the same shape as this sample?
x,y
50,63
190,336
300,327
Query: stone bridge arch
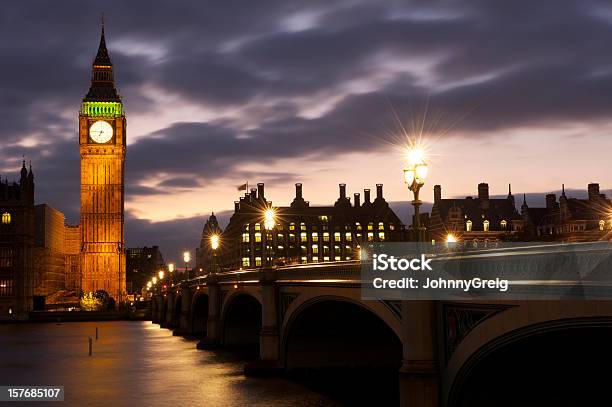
x,y
241,319
522,322
176,310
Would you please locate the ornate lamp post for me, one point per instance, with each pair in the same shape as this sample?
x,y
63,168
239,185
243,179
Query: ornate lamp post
x,y
414,176
214,245
269,223
171,271
186,259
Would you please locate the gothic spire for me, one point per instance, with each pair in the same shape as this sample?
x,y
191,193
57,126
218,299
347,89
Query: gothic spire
x,y
102,58
102,87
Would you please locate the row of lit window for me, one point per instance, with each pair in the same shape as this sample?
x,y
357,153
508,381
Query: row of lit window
x,y
246,261
314,237
303,226
485,225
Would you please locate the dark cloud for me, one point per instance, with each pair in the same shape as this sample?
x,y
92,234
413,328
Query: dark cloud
x,y
495,66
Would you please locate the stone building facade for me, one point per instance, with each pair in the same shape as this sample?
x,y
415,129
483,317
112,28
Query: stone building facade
x,y
478,220
17,241
570,219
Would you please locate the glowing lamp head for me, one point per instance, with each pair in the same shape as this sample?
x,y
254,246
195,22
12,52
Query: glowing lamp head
x,y
450,238
421,172
409,176
186,257
416,156
214,242
171,267
149,284
269,219
154,280
161,274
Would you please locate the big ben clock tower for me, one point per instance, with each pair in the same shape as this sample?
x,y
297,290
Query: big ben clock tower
x,y
102,145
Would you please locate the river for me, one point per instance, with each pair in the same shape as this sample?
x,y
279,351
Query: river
x,y
136,364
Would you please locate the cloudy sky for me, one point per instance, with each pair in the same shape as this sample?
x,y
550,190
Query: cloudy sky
x,y
318,92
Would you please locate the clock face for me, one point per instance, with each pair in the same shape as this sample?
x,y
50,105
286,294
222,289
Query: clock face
x,y
101,131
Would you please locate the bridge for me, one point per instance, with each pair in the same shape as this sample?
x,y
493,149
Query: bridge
x,y
313,316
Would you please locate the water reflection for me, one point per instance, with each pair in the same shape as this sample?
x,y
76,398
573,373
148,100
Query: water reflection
x,y
136,363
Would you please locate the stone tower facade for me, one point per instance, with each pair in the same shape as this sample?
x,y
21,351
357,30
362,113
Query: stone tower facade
x,y
102,142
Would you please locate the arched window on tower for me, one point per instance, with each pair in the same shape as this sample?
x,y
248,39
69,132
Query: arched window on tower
x,y
468,226
6,218
602,224
485,225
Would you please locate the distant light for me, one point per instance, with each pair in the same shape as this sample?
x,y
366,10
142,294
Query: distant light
x,y
450,238
171,267
186,257
161,274
235,285
154,279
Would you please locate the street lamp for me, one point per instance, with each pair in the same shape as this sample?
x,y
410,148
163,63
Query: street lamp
x,y
414,176
269,223
154,280
161,275
214,245
186,258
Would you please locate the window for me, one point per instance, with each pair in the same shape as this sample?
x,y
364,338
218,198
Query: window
x,y
326,258
468,226
348,236
280,236
315,237
302,226
323,218
292,226
257,261
315,249
391,226
303,237
257,226
246,262
381,236
6,257
370,237
304,259
381,226
6,218
325,249
245,238
503,224
246,226
485,225
337,258
370,226
326,237
315,259
602,224
337,237
6,287
358,226
258,237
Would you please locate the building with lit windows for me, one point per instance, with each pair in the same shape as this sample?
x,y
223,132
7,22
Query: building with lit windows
x,y
17,240
478,220
303,233
570,219
143,263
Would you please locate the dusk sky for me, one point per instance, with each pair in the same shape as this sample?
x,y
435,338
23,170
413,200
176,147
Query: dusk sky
x,y
317,92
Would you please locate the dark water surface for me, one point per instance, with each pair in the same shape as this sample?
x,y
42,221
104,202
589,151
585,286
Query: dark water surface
x,y
136,364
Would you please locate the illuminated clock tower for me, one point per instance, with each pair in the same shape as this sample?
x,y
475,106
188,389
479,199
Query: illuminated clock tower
x,y
102,146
